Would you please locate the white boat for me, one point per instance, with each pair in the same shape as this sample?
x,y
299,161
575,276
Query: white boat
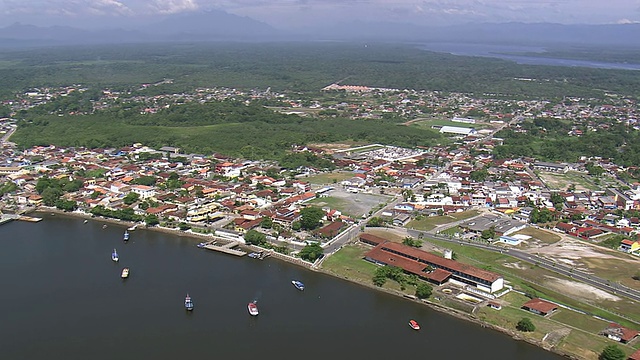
x,y
114,256
125,273
188,303
298,284
253,308
126,236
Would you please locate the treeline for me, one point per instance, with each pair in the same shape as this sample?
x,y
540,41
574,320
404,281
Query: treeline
x,y
229,128
619,143
306,67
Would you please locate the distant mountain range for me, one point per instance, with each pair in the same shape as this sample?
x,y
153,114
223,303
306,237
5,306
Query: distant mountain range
x,y
222,26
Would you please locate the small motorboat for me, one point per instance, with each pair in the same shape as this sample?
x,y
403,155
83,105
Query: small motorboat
x,y
202,245
298,284
126,235
125,273
86,221
188,304
253,308
254,255
414,324
114,256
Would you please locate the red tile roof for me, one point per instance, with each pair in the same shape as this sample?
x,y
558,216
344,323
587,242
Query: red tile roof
x,y
389,250
540,305
624,333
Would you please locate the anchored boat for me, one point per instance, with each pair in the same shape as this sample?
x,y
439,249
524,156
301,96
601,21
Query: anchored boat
x,y
253,308
188,304
298,284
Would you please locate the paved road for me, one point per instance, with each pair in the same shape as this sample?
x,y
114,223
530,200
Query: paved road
x,y
551,265
353,230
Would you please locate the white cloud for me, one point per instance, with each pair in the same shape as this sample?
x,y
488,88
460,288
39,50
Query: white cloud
x,y
174,6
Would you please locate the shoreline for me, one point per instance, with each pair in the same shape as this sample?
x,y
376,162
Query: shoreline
x,y
436,307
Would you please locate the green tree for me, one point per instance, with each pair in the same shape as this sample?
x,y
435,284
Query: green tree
x,y
375,222
266,223
151,220
380,276
612,352
51,195
131,198
423,290
311,252
311,217
253,237
525,325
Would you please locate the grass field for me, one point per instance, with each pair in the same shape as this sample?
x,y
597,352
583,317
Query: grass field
x,y
563,181
329,178
536,280
430,222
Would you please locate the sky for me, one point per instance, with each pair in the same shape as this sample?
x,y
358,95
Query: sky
x,y
300,13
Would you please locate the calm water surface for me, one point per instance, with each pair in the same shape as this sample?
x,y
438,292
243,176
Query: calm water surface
x,y
508,52
63,298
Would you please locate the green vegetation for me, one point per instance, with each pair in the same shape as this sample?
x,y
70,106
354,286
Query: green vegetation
x,y
311,217
311,252
525,325
612,352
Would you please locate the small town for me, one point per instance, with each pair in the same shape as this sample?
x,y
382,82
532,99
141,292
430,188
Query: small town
x,y
385,199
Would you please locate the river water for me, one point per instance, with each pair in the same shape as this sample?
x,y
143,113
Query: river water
x,y
63,298
510,52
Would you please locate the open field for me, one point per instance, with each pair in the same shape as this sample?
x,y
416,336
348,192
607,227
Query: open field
x,y
329,178
539,236
354,205
431,222
544,283
606,263
555,181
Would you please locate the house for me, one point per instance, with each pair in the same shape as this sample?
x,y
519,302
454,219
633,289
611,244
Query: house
x,y
494,305
634,356
144,191
401,219
540,307
629,246
619,333
331,230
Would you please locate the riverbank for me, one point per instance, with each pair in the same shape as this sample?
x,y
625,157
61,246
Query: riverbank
x,y
435,306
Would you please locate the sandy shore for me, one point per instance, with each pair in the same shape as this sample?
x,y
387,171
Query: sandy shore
x,y
43,212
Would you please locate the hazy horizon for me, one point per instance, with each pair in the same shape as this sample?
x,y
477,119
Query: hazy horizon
x,y
301,14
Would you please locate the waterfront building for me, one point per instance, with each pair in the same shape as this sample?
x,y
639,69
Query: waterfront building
x,y
430,267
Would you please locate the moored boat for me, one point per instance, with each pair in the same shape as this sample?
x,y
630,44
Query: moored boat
x,y
188,304
298,284
254,255
126,235
253,308
114,256
414,324
125,273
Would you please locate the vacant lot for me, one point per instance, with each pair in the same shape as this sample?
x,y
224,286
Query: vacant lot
x,y
354,205
555,181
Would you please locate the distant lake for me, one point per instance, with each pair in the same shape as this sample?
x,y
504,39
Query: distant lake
x,y
506,52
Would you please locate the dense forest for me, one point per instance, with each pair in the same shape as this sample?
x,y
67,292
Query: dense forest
x,y
300,67
226,127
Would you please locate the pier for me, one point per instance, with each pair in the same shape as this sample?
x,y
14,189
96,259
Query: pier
x,y
226,248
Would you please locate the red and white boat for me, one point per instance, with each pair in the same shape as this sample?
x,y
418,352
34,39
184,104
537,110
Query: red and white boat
x,y
253,308
414,325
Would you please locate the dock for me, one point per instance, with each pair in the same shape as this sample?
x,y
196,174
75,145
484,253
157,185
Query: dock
x,y
226,248
5,218
29,218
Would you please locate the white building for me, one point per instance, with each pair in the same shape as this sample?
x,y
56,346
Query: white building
x,y
457,130
144,191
